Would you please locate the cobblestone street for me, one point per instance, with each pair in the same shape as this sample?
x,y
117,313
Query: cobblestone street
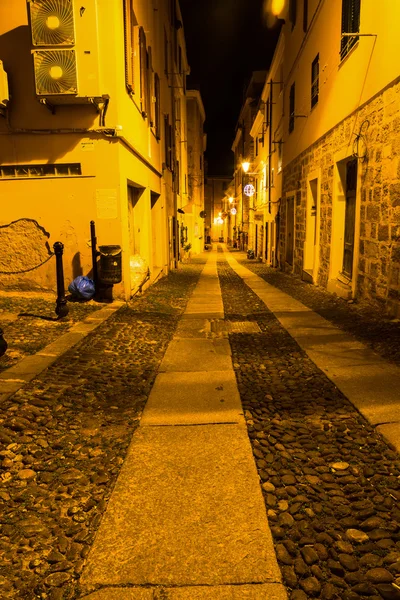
x,y
330,482
64,437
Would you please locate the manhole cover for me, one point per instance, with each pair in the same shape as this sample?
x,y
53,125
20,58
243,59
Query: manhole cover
x,y
242,327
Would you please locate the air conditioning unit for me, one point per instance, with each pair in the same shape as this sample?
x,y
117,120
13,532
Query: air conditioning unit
x,y
65,50
4,95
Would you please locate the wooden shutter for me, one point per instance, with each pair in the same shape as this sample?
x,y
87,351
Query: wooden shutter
x,y
157,104
143,72
291,107
129,45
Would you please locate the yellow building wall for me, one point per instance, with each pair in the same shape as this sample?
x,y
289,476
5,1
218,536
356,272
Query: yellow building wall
x,y
65,206
343,85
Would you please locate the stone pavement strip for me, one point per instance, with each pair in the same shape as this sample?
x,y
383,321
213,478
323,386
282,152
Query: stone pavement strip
x,y
367,380
187,512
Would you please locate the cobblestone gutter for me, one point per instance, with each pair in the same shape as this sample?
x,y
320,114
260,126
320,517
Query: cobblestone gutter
x,y
30,323
330,482
64,437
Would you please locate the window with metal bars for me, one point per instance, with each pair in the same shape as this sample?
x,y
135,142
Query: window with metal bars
x,y
350,24
291,107
35,171
314,81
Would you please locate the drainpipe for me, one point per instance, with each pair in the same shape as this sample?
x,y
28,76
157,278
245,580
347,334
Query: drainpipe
x,y
270,157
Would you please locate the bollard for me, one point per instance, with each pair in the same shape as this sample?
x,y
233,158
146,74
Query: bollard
x,y
61,302
3,343
95,253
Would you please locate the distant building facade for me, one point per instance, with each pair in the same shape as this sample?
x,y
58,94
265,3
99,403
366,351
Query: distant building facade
x,y
93,126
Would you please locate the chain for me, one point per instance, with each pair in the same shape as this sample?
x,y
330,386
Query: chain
x,y
27,270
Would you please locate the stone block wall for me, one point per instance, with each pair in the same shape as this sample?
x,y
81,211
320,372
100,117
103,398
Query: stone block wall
x,y
378,276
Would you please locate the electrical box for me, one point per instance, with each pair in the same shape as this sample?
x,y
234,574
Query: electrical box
x,y
65,50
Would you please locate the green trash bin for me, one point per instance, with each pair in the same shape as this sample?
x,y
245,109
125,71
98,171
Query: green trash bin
x,y
110,264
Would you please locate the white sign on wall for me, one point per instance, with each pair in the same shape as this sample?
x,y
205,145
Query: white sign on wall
x,y
106,204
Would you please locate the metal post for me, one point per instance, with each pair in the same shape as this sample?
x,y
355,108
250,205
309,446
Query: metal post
x,y
94,253
61,302
3,343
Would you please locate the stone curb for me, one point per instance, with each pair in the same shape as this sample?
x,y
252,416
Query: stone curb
x,y
30,367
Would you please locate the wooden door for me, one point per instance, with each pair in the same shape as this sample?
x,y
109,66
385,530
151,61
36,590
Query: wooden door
x,y
289,229
350,218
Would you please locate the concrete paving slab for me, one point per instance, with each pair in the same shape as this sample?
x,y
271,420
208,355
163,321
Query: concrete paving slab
x,y
193,398
391,431
193,328
112,593
187,509
9,387
267,591
197,355
27,368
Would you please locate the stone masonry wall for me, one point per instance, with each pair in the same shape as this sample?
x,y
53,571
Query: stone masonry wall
x,y
378,277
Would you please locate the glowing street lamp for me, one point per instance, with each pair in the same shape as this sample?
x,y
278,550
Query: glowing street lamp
x,y
245,166
230,199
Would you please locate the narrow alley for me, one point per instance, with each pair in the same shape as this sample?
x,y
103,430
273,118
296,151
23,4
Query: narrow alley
x,y
212,438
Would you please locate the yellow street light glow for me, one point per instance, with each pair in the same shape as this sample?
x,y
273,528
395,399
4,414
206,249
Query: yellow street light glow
x,y
245,166
277,6
230,200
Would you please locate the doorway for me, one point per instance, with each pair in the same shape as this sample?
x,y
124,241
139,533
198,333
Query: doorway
x,y
311,244
290,229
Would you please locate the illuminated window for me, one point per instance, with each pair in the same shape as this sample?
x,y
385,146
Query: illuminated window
x,y
314,81
350,24
129,24
291,108
35,171
279,156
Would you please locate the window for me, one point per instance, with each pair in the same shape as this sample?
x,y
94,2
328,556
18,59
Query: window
x,y
292,12
350,24
179,60
177,178
168,141
266,117
166,55
291,108
129,23
279,156
256,144
305,15
314,81
33,171
157,105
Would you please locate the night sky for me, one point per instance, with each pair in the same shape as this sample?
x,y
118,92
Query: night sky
x,y
226,40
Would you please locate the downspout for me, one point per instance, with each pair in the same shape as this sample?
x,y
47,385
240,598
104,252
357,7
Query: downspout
x,y
269,162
